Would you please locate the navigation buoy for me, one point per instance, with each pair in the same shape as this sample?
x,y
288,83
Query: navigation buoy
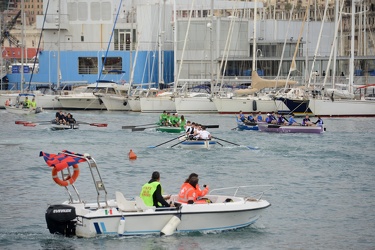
x,y
132,155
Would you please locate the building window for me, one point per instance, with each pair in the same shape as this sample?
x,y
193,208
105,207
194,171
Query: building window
x,y
87,65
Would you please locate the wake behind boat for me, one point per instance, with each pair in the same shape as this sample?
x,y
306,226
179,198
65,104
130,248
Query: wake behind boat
x,y
123,216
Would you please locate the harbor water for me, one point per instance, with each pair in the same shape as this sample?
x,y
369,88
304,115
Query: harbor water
x,y
323,194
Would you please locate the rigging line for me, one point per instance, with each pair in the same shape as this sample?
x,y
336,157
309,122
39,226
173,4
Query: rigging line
x,y
282,53
334,47
293,64
227,46
109,44
39,42
184,47
318,43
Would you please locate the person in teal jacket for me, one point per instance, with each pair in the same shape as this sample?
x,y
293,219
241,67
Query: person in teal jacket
x,y
151,192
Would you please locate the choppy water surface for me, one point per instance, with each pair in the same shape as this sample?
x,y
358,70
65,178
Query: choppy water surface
x,y
324,184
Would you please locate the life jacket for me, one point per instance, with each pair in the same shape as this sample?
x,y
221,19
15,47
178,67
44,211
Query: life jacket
x,y
147,192
188,192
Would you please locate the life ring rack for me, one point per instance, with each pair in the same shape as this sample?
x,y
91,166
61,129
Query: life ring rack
x,y
69,180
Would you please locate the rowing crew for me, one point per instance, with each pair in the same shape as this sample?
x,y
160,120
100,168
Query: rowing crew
x,y
281,120
64,118
195,131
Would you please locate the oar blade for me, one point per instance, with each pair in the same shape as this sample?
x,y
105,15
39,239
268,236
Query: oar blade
x,y
211,126
99,124
138,129
128,127
21,122
29,124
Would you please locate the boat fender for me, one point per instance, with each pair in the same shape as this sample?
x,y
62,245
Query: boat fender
x,y
171,226
121,226
255,105
125,103
69,180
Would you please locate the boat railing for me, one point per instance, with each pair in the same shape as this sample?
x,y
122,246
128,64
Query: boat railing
x,y
97,179
238,189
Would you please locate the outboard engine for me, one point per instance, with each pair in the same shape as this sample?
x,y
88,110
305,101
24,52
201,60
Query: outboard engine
x,y
61,219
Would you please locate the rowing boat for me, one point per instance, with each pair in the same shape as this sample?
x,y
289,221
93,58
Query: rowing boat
x,y
198,144
265,127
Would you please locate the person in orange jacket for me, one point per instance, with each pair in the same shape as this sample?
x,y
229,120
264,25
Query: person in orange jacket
x,y
190,191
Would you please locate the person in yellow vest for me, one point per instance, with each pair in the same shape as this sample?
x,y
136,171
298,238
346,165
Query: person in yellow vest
x,y
26,103
151,192
33,103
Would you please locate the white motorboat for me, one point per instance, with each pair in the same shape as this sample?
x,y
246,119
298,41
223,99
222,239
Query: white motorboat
x,y
123,216
22,111
117,101
90,98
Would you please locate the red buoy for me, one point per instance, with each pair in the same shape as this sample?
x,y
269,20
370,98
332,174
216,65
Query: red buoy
x,y
132,155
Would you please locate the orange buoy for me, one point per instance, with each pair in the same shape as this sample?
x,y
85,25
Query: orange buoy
x,y
132,155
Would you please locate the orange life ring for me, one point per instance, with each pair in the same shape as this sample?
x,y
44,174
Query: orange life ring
x,y
65,182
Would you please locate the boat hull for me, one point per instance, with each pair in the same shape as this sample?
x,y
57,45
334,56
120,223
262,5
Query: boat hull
x,y
248,105
89,102
170,129
297,106
157,104
342,108
135,104
22,111
273,128
198,144
195,105
116,103
64,127
209,217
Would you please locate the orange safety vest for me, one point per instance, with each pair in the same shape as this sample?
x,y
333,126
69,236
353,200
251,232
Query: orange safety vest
x,y
188,192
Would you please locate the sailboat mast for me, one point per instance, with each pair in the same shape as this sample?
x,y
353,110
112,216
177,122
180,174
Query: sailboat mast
x,y
58,45
22,42
254,35
211,47
351,64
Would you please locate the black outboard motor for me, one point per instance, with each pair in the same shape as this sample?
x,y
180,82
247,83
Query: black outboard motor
x,y
61,219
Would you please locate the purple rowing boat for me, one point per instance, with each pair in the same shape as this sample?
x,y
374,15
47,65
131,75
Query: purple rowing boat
x,y
265,127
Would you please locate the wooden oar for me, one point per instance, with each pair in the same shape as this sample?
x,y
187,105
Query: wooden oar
x,y
94,124
22,122
133,126
166,142
249,147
